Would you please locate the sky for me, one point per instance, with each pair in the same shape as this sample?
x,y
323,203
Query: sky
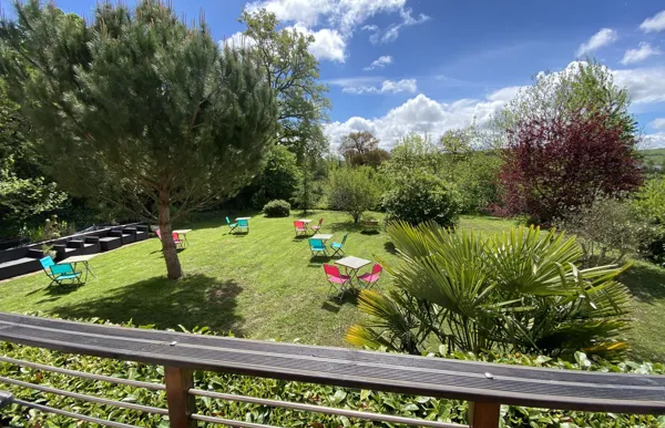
x,y
397,66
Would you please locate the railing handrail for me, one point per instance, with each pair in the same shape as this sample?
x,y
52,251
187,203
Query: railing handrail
x,y
438,377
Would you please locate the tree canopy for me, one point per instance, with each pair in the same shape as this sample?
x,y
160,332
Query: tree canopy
x,y
362,149
139,109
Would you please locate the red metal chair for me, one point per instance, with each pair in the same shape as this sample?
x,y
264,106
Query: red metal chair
x,y
336,279
373,277
176,239
317,227
301,227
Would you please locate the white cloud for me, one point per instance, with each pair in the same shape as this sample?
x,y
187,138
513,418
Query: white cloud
x,y
602,38
654,141
644,85
640,54
342,14
239,40
392,32
387,86
654,24
328,43
422,115
380,62
658,123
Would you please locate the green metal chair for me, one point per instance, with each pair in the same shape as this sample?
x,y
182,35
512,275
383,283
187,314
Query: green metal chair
x,y
59,273
317,246
337,246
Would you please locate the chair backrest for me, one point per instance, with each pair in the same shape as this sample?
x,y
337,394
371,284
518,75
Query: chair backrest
x,y
316,243
159,234
62,268
46,262
243,222
331,270
228,221
344,238
299,224
176,238
376,270
320,222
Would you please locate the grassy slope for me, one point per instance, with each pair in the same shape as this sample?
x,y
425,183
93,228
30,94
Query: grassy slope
x,y
264,285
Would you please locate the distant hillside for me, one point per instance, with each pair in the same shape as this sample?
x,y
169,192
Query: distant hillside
x,y
653,157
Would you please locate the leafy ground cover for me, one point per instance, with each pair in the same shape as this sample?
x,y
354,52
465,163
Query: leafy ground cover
x,y
265,284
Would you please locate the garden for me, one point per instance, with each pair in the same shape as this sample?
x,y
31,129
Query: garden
x,y
538,239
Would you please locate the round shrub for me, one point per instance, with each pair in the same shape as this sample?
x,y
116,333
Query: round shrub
x,y
417,198
277,208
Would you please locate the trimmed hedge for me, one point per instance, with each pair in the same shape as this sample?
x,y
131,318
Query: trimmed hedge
x,y
396,404
277,208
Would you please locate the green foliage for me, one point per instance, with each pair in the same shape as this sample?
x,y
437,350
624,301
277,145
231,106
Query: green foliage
x,y
443,410
420,197
608,230
354,190
24,192
138,109
650,200
459,159
280,179
277,208
586,87
518,291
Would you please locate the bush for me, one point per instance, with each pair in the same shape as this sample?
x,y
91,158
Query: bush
x,y
518,291
608,230
277,208
420,197
443,410
354,190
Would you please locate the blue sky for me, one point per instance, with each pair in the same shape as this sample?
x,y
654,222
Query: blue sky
x,y
442,64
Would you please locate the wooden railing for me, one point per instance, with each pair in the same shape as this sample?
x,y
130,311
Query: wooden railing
x,y
486,386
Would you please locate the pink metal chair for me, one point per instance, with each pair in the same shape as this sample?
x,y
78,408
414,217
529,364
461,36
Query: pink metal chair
x,y
336,279
373,277
301,227
317,227
176,239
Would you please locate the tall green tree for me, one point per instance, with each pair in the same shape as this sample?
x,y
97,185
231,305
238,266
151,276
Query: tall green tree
x,y
139,109
293,73
362,149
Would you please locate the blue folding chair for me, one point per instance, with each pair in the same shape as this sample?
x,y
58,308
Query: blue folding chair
x,y
243,224
317,246
232,226
337,246
60,273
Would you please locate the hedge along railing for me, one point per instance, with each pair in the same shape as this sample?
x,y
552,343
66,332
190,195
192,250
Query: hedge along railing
x,y
485,385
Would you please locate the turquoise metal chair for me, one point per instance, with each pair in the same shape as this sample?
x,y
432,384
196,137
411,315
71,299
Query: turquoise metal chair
x,y
317,246
243,224
60,273
232,226
337,246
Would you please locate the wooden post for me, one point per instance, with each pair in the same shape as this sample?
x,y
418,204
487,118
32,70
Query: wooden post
x,y
484,415
181,404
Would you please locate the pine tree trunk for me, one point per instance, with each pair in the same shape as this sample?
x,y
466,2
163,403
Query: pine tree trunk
x,y
173,269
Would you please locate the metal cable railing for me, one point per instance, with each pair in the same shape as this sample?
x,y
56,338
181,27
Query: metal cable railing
x,y
180,354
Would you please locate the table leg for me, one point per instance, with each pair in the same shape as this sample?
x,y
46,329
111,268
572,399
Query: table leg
x,y
88,270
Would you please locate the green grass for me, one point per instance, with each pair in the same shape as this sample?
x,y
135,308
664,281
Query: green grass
x,y
264,285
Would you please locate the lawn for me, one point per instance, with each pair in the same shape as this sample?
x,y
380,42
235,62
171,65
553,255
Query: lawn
x,y
264,285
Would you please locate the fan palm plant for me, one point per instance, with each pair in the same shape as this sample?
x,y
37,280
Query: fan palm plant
x,y
516,291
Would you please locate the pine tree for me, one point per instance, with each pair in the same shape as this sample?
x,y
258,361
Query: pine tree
x,y
138,109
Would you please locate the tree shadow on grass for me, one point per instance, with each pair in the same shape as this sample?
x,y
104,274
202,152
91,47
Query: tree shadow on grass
x,y
347,226
645,281
195,300
390,247
334,303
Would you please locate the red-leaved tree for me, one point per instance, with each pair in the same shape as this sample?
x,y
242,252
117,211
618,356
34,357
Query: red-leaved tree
x,y
556,164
